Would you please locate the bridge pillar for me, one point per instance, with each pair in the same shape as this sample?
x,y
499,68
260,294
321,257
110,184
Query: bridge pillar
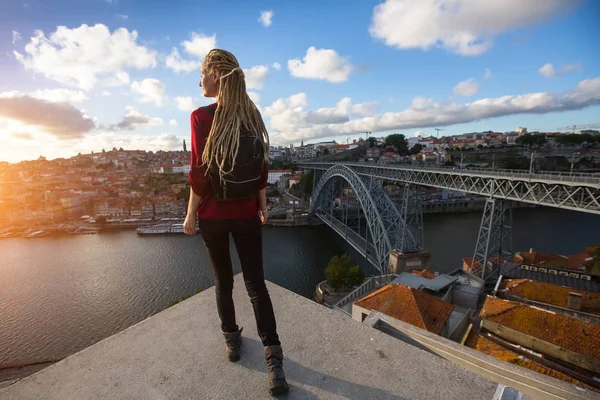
x,y
399,261
494,242
412,214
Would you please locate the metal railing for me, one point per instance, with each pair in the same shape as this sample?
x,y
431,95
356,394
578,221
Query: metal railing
x,y
563,177
371,284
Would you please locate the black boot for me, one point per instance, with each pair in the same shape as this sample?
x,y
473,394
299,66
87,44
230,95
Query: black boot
x,y
233,342
277,382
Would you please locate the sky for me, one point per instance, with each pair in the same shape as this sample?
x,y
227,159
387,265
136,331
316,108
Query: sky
x,y
86,75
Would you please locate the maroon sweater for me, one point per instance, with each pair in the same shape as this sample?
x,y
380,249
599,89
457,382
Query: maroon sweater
x,y
201,122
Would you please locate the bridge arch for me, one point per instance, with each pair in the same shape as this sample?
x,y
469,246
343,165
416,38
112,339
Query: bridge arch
x,y
386,227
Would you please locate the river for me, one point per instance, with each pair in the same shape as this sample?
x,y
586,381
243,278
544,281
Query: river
x,y
61,294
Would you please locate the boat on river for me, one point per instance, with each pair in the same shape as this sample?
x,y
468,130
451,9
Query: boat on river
x,y
160,229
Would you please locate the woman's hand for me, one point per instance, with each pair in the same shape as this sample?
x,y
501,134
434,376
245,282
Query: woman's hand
x,y
264,216
189,225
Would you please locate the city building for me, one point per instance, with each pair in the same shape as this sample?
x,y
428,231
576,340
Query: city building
x,y
579,304
406,304
538,339
274,175
283,182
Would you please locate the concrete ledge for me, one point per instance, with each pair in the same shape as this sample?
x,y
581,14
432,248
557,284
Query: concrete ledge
x,y
179,354
531,383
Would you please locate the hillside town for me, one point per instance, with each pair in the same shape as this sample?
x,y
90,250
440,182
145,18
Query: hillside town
x,y
136,184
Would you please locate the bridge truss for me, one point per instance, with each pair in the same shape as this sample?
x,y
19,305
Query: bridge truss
x,y
363,214
577,192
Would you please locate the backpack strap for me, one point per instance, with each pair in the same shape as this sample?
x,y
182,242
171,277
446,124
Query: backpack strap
x,y
210,109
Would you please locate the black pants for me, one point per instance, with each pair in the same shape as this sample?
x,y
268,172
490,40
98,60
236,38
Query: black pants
x,y
247,236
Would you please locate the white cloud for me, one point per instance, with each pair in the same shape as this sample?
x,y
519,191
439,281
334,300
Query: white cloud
x,y
466,88
324,64
134,119
122,17
365,109
172,122
178,64
255,97
418,134
151,91
107,140
276,66
547,70
82,56
572,67
487,74
293,122
23,113
265,18
60,95
118,79
185,103
14,148
198,46
16,36
290,114
465,27
105,93
256,76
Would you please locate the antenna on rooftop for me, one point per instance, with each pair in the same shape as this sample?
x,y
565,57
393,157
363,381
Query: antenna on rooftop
x,y
437,130
366,133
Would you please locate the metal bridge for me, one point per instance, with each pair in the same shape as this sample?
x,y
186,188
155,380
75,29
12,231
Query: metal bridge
x,y
388,228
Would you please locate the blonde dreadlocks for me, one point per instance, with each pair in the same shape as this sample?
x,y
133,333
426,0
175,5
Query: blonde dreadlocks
x,y
235,113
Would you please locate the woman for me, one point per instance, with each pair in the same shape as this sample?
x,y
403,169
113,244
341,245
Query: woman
x,y
216,133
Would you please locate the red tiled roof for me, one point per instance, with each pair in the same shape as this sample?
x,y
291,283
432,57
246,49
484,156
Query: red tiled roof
x,y
549,260
569,333
424,273
409,305
550,294
486,346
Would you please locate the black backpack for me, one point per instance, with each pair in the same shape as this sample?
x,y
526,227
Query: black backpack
x,y
243,181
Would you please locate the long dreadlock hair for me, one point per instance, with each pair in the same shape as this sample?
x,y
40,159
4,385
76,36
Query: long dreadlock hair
x,y
236,112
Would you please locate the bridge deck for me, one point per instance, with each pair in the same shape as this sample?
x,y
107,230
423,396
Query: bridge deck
x,y
579,192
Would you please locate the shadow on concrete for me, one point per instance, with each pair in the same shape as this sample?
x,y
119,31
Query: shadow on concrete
x,y
252,357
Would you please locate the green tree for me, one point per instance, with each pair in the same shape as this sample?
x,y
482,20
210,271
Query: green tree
x,y
530,140
398,141
416,149
306,183
326,152
372,141
355,276
337,271
572,140
593,266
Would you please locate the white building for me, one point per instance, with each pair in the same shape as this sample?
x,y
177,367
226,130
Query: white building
x,y
274,175
185,168
175,168
413,141
307,151
276,153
